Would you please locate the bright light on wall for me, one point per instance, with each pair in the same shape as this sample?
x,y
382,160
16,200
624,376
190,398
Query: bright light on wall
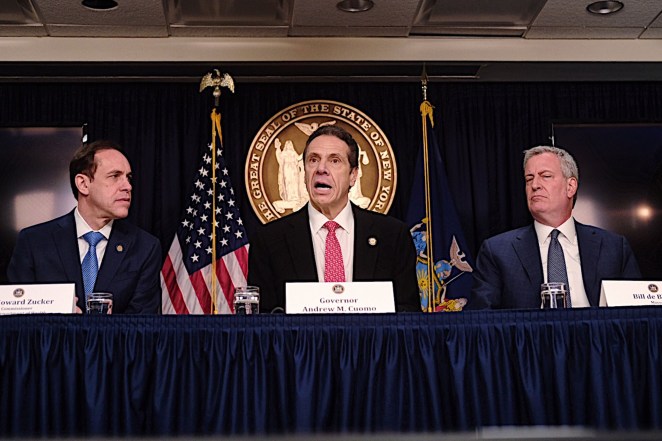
x,y
644,212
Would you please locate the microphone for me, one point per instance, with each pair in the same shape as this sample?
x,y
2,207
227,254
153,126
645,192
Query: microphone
x,y
277,310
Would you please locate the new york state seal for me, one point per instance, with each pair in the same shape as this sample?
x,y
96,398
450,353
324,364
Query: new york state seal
x,y
274,165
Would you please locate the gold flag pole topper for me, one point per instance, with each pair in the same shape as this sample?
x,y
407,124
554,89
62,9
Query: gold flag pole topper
x,y
426,111
216,80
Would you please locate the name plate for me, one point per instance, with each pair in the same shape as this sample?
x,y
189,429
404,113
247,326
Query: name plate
x,y
632,292
339,298
53,298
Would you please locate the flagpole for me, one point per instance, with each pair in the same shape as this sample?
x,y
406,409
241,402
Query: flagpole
x,y
426,111
215,128
214,79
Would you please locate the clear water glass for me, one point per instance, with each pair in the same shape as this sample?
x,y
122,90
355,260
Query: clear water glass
x,y
553,295
247,300
99,303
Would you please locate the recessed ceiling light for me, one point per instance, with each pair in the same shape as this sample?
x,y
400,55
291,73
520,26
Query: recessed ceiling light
x,y
99,5
355,5
604,7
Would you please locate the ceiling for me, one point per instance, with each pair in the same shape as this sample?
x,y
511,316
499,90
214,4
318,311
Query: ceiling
x,y
529,19
458,33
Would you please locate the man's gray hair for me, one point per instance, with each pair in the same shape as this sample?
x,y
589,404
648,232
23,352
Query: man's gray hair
x,y
568,164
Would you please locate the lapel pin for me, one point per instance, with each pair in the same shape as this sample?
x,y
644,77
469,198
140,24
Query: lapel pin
x,y
372,241
119,248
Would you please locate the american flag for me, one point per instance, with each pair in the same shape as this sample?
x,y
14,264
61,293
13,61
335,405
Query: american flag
x,y
186,273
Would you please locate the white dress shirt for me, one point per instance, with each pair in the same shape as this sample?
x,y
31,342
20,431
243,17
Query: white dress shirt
x,y
83,228
345,235
573,265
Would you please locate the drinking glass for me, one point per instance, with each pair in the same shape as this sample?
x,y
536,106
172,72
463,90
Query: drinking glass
x,y
99,303
247,300
553,295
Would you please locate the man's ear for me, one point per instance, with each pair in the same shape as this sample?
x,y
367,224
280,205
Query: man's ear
x,y
82,184
352,176
572,187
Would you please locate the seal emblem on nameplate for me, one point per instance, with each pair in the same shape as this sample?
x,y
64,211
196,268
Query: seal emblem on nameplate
x,y
274,165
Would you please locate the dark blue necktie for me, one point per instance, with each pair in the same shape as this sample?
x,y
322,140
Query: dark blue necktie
x,y
90,265
556,271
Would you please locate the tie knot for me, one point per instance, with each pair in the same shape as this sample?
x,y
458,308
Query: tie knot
x,y
555,234
331,226
93,238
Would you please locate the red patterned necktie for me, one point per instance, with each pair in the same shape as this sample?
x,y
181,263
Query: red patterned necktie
x,y
334,270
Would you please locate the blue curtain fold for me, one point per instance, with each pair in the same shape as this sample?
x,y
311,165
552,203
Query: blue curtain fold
x,y
167,376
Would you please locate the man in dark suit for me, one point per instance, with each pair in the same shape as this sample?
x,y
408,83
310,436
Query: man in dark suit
x,y
511,266
128,259
292,249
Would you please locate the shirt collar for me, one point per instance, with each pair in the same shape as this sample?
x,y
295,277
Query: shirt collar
x,y
567,229
345,218
83,228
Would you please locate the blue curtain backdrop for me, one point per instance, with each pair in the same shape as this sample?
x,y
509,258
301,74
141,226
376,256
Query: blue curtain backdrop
x,y
164,126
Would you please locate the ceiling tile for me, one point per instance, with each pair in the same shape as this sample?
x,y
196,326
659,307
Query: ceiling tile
x,y
324,13
652,33
569,13
229,12
17,12
658,22
107,31
34,30
129,12
479,13
569,32
229,31
354,31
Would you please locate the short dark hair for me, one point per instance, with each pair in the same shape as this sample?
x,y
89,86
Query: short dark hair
x,y
83,160
342,135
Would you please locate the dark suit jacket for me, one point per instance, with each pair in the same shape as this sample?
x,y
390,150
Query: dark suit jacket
x,y
282,251
48,253
509,271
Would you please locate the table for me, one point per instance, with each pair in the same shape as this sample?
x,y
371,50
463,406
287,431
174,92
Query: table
x,y
66,375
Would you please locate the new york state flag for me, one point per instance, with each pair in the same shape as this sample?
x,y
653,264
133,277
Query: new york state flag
x,y
452,266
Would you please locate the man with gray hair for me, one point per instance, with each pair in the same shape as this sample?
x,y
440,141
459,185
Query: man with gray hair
x,y
511,266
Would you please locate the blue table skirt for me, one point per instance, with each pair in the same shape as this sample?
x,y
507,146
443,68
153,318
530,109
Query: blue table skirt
x,y
65,375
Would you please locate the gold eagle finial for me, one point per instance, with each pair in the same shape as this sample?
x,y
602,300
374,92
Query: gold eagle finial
x,y
215,80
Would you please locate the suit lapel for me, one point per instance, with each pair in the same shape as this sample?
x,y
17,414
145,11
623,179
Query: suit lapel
x,y
365,257
528,253
589,255
66,244
300,244
119,244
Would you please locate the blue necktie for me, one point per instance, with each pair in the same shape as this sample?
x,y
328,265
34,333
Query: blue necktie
x,y
556,271
90,265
